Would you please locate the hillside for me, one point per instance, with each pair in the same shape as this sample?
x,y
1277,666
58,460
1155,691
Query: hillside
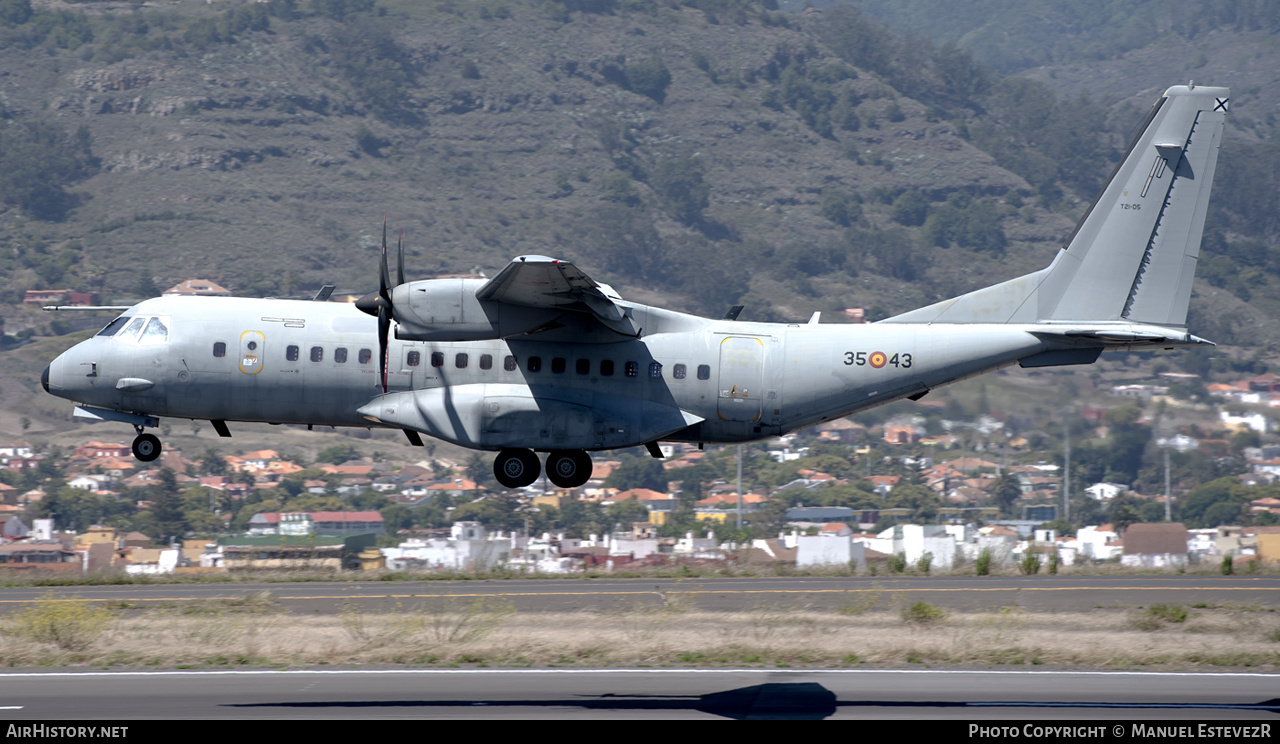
x,y
693,154
266,163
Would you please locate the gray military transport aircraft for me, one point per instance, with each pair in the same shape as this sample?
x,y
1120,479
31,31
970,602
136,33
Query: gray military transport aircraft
x,y
541,358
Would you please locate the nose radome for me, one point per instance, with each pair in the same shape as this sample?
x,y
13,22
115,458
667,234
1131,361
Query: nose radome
x,y
51,378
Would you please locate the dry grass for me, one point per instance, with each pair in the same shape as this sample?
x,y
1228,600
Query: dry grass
x,y
487,634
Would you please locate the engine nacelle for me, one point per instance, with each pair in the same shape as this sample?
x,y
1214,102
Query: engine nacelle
x,y
447,310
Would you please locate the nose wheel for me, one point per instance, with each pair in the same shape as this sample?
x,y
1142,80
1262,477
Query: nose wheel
x,y
516,468
146,447
569,468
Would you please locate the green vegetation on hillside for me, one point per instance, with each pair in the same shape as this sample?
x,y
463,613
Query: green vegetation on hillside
x,y
1013,35
715,151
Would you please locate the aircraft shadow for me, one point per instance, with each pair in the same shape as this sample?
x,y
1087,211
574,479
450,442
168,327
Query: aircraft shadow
x,y
771,701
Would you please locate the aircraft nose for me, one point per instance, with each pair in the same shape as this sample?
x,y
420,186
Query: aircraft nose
x,y
51,379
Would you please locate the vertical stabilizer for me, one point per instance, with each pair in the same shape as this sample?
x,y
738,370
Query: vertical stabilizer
x,y
1133,255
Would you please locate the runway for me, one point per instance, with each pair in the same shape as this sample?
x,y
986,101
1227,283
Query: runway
x,y
1034,593
654,694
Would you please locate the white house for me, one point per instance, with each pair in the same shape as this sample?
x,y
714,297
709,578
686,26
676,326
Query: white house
x,y
829,550
468,548
1105,491
1094,544
165,565
1255,421
92,482
918,539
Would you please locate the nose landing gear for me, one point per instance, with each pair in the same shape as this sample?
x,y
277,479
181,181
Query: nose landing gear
x,y
146,447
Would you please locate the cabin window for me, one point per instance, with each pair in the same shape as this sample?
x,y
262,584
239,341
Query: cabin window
x,y
655,370
486,361
219,349
632,369
704,371
583,366
557,365
460,361
606,367
437,359
679,371
365,356
535,364
413,359
291,353
114,326
509,364
340,355
317,354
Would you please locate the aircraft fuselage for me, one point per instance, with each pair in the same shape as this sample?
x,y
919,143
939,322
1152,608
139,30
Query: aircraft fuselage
x,y
692,379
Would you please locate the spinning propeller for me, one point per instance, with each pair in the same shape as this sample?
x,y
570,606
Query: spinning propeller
x,y
379,303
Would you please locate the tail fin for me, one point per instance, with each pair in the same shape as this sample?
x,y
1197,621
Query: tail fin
x,y
1133,255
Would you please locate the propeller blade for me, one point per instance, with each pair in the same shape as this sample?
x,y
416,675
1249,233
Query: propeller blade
x,y
384,275
384,328
400,258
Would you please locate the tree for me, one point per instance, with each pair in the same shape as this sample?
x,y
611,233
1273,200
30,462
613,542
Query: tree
x,y
368,500
1123,511
626,241
923,501
1214,503
640,472
38,160
649,77
338,453
841,207
625,513
14,12
1005,492
77,509
678,180
910,209
396,517
212,463
167,513
581,518
479,469
338,10
619,188
146,286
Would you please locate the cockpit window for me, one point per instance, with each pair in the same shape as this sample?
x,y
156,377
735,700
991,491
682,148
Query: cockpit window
x,y
132,331
156,332
114,326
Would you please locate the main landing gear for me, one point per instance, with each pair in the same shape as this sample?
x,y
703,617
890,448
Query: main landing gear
x,y
517,468
146,447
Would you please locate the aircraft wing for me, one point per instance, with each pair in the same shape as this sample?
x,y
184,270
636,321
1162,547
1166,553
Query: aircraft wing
x,y
543,282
